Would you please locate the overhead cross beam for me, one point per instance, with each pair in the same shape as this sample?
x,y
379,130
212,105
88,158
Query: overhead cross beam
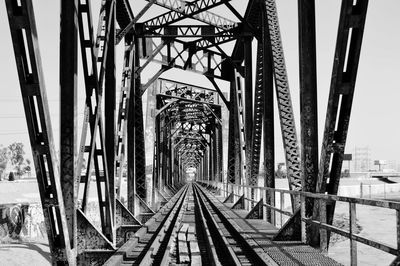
x,y
194,10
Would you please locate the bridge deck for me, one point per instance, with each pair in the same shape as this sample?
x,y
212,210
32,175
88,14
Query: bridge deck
x,y
196,227
262,232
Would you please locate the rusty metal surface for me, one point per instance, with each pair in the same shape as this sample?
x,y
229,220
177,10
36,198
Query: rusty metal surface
x,y
125,223
68,111
89,237
188,126
289,135
93,54
195,10
282,252
23,29
348,48
308,105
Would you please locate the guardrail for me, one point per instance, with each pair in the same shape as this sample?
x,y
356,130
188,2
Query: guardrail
x,y
321,221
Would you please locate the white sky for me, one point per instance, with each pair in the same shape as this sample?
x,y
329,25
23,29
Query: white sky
x,y
374,121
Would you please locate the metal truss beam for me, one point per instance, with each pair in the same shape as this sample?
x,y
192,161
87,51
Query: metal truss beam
x,y
285,108
26,50
207,36
190,31
140,152
344,73
265,96
308,102
123,114
180,55
194,10
68,112
308,95
94,81
121,34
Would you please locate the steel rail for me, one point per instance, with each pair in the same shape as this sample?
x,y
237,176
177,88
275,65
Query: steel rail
x,y
146,236
243,251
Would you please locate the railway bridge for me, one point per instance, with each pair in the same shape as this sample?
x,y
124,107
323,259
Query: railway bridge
x,y
183,173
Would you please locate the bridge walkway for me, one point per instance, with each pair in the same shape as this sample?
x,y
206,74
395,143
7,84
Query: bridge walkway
x,y
195,227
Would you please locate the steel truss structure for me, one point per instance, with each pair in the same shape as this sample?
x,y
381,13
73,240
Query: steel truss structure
x,y
183,137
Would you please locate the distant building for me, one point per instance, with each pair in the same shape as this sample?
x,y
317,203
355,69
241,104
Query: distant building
x,y
362,159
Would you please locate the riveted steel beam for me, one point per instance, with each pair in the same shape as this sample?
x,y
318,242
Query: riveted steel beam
x,y
308,102
344,73
195,10
68,111
92,56
285,107
26,50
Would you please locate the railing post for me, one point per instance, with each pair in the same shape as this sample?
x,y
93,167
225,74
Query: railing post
x,y
264,207
282,205
370,196
273,212
250,193
303,216
398,228
323,236
353,243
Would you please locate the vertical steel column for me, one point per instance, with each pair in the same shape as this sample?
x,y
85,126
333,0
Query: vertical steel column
x,y
234,148
268,118
170,158
215,151
248,103
206,173
308,105
211,160
220,153
68,112
123,111
164,153
308,96
110,113
131,142
140,153
156,172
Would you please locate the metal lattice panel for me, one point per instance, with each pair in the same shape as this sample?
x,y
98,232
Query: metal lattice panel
x,y
23,27
284,100
92,54
195,10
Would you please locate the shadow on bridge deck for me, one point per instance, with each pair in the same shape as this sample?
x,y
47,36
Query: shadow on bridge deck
x,y
195,226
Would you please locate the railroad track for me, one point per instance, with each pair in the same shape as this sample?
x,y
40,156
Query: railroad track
x,y
229,247
188,230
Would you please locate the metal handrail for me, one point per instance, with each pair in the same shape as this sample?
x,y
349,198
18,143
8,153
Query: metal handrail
x,y
321,222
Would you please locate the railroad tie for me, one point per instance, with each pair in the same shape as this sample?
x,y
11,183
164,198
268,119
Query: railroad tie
x,y
182,244
194,246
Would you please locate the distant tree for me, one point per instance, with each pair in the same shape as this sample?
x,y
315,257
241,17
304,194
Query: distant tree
x,y
4,158
11,176
27,167
17,157
280,172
